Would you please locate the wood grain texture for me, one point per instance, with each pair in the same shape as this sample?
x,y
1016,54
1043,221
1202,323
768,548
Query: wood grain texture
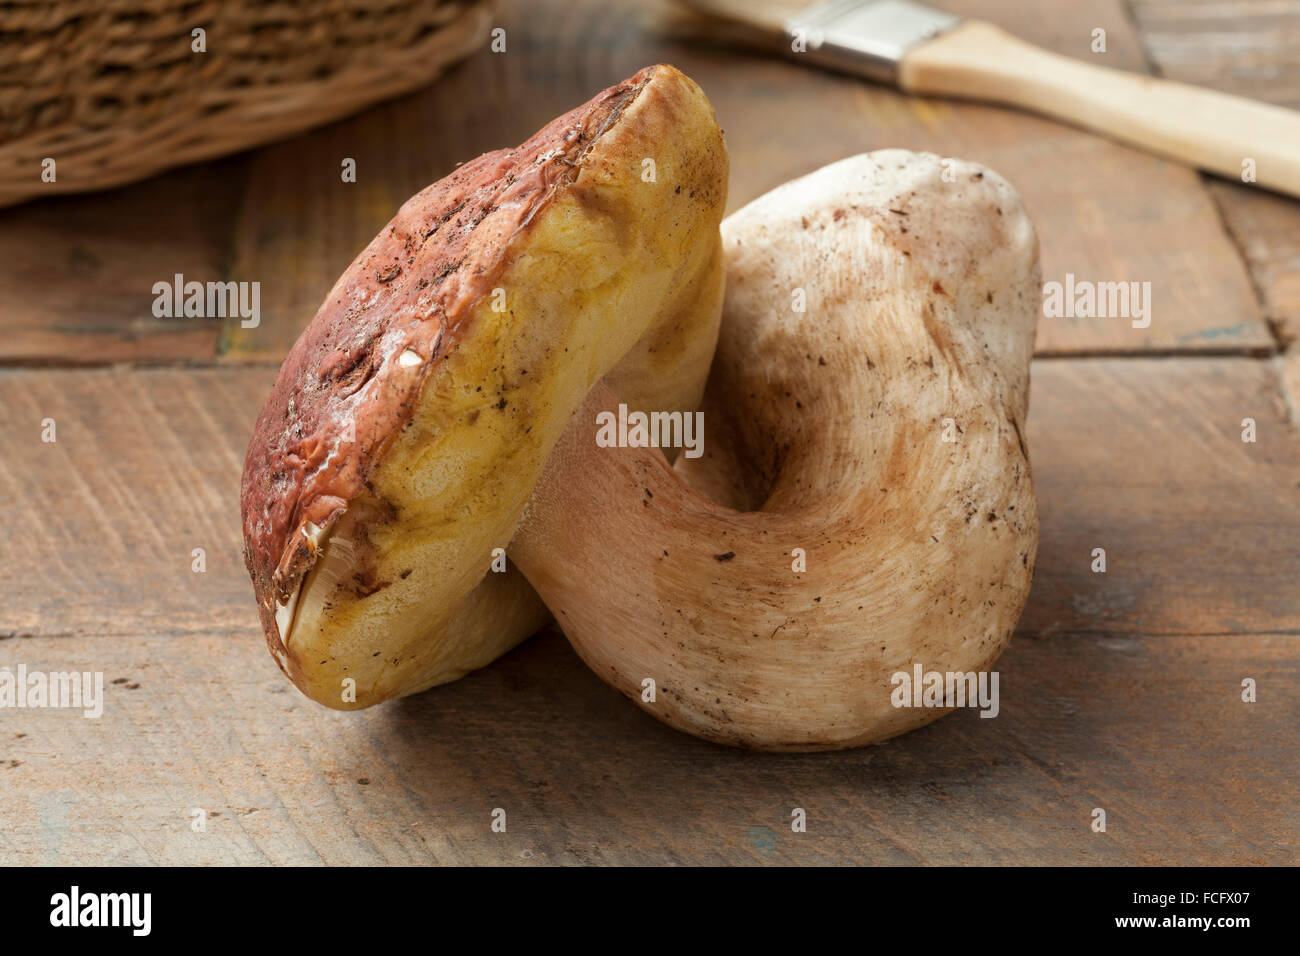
x,y
1241,46
1121,690
1266,228
1141,457
1250,48
1152,731
77,273
1145,458
1104,212
98,527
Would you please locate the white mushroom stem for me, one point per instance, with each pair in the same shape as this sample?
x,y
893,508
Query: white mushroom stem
x,y
878,434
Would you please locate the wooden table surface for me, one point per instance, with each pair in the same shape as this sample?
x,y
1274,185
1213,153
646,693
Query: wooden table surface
x,y
1121,691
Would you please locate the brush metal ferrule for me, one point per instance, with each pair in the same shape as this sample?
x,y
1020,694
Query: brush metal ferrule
x,y
863,37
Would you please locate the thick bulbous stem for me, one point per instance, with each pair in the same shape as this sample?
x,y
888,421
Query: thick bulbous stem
x,y
864,503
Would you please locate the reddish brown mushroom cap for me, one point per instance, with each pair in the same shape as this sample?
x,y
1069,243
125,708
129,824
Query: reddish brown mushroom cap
x,y
342,392
412,419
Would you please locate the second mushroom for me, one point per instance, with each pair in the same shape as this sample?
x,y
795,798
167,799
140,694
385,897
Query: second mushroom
x,y
864,502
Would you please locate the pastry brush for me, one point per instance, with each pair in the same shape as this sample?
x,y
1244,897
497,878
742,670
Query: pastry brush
x,y
928,52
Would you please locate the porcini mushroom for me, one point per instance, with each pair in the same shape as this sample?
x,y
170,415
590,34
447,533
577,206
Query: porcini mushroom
x,y
864,502
412,418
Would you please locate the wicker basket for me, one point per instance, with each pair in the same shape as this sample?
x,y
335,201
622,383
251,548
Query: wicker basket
x,y
111,90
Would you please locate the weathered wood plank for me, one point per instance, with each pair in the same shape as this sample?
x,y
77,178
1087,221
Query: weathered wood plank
x,y
1121,692
1104,212
1152,731
1140,457
1145,459
1266,227
97,528
77,273
1250,48
1247,47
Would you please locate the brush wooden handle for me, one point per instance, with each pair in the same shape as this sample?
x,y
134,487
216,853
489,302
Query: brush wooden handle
x,y
1200,127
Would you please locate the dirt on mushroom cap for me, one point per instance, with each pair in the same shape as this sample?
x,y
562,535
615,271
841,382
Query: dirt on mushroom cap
x,y
382,482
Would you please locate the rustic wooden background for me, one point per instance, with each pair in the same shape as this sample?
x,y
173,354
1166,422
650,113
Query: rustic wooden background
x,y
1121,691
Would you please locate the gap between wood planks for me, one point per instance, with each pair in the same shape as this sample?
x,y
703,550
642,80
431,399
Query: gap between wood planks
x,y
1273,305
1181,39
1102,209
